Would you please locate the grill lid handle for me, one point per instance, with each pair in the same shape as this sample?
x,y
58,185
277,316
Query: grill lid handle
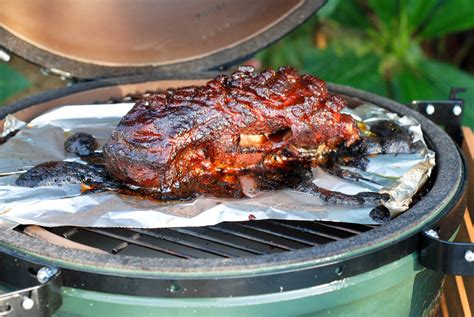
x,y
453,258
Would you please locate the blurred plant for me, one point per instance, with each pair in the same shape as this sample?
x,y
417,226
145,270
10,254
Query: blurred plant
x,y
20,78
380,46
11,82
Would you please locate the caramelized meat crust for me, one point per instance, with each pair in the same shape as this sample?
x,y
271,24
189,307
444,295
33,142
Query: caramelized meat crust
x,y
234,135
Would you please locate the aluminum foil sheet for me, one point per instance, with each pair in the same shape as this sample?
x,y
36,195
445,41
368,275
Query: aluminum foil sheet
x,y
41,140
11,125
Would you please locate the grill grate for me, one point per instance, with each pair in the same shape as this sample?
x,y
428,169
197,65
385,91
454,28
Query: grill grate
x,y
225,240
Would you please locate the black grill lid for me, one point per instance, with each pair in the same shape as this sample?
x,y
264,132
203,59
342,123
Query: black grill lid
x,y
117,37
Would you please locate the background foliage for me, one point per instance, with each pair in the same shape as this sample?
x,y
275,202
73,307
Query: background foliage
x,y
402,49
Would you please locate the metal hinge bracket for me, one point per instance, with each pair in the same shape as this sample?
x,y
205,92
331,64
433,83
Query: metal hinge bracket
x,y
35,289
453,258
446,113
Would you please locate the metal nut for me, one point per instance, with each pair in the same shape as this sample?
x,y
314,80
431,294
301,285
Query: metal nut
x,y
432,233
430,109
469,256
4,56
457,110
45,273
27,303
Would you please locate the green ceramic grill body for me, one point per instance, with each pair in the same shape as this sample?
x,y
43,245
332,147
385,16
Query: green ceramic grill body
x,y
402,288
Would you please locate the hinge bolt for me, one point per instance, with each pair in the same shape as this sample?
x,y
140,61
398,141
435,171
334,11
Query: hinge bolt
x,y
457,110
4,56
432,233
27,303
45,273
469,256
430,109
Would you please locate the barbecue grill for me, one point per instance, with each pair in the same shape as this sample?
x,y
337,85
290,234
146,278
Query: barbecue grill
x,y
269,267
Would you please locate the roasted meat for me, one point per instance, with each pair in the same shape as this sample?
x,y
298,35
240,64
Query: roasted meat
x,y
230,137
58,173
81,144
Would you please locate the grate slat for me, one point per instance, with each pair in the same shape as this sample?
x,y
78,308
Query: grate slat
x,y
331,236
346,228
70,233
237,233
122,245
182,242
227,243
280,234
139,243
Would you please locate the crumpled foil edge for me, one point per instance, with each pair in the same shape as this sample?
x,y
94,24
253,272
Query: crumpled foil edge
x,y
401,191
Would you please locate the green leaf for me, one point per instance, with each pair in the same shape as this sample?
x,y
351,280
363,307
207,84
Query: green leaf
x,y
346,68
445,77
449,17
434,80
288,50
328,8
410,84
11,82
403,15
349,13
386,11
419,12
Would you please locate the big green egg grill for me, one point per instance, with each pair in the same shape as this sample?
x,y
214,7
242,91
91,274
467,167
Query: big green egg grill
x,y
254,268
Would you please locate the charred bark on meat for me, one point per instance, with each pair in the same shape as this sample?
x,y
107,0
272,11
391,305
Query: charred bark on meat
x,y
335,197
236,134
230,138
389,138
81,144
59,173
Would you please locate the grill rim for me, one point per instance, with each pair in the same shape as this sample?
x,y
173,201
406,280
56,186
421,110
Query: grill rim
x,y
450,175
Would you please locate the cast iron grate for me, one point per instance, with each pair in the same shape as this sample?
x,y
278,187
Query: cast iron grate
x,y
225,240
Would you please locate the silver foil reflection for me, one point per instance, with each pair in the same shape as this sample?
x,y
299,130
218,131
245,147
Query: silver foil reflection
x,y
42,140
11,125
